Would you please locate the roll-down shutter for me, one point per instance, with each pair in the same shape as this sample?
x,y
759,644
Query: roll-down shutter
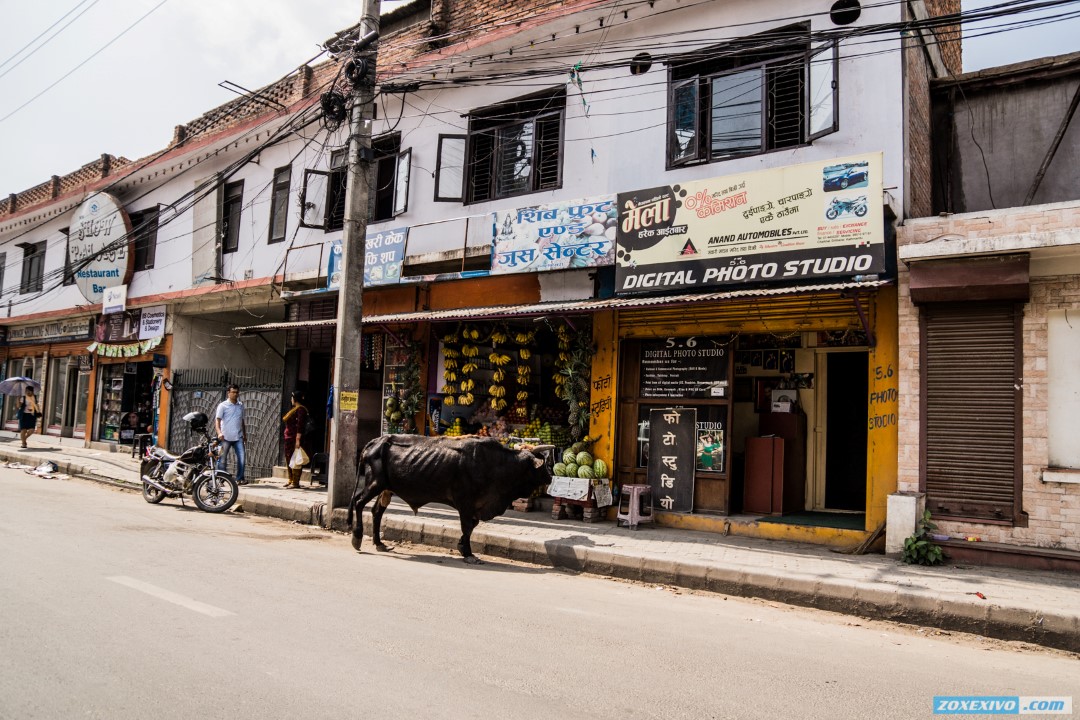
x,y
971,409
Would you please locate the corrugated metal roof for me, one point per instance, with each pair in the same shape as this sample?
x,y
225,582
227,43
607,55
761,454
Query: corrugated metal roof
x,y
585,306
271,327
572,306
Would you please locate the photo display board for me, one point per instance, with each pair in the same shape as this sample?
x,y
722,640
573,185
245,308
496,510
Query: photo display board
x,y
673,457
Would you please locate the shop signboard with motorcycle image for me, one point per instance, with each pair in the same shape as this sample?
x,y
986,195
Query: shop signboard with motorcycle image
x,y
787,225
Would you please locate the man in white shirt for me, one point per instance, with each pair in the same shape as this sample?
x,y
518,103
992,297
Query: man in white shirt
x,y
229,420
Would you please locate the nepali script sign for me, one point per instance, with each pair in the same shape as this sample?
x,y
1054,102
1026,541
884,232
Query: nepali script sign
x,y
98,246
555,236
801,222
385,253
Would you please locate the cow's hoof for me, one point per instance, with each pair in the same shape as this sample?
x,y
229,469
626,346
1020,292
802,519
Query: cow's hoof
x,y
383,548
356,541
473,560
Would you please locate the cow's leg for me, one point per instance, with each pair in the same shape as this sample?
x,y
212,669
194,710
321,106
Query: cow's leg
x,y
468,524
357,506
377,511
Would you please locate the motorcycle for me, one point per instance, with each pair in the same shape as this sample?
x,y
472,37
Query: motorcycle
x,y
193,472
840,206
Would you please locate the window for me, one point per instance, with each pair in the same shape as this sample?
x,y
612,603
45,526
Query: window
x,y
322,201
231,206
324,194
513,148
33,267
69,272
390,193
144,228
778,92
279,203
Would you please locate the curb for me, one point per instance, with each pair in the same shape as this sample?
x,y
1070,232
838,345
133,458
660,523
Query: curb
x,y
867,600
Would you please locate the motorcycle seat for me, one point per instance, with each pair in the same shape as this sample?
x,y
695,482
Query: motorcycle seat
x,y
163,454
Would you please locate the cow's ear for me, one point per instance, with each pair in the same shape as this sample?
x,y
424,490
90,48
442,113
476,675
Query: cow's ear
x,y
538,462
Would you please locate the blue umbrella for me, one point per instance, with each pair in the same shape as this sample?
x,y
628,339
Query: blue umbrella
x,y
17,385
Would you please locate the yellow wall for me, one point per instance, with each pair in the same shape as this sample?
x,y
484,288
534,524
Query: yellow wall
x,y
605,370
883,407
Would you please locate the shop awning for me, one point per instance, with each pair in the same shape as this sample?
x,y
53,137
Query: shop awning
x,y
577,307
571,307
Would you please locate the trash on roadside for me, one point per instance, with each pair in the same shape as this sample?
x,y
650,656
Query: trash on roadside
x,y
977,594
47,466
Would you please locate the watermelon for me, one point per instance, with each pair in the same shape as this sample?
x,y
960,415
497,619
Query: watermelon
x,y
584,458
571,470
600,468
569,457
577,447
585,471
559,470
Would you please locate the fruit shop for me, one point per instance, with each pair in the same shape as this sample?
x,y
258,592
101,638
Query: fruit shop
x,y
522,381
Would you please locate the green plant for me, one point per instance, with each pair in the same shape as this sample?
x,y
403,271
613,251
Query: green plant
x,y
919,549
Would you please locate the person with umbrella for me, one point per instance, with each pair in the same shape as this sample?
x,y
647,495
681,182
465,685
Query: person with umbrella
x,y
28,414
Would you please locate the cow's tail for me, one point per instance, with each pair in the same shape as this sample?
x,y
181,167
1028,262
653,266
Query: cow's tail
x,y
372,466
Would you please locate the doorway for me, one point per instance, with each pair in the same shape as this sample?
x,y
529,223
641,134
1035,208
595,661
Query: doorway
x,y
315,394
840,477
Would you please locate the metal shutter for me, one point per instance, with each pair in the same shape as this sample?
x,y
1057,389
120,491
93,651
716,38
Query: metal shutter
x,y
971,409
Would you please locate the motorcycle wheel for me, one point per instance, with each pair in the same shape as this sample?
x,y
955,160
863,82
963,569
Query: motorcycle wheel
x,y
860,210
831,214
211,502
150,493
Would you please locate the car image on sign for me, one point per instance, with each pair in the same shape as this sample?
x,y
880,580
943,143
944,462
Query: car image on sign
x,y
843,178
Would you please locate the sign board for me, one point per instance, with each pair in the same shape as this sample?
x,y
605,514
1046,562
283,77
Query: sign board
x,y
114,300
99,246
151,322
684,367
333,266
801,222
673,457
384,256
555,236
62,329
349,401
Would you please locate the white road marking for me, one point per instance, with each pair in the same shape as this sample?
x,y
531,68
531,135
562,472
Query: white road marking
x,y
168,595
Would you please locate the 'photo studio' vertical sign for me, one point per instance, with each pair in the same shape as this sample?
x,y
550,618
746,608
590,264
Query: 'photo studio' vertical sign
x,y
673,457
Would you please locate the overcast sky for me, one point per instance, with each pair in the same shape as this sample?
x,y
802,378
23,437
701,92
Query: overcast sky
x,y
164,71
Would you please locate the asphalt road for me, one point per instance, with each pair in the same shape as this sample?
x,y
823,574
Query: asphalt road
x,y
112,608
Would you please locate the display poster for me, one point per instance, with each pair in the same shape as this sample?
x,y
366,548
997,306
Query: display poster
x,y
801,222
555,236
114,299
349,401
673,444
385,254
684,367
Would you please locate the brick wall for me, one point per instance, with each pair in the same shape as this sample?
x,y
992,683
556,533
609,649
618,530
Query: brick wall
x,y
104,166
1053,508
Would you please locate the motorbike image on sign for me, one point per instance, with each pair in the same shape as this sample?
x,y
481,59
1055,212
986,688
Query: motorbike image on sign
x,y
194,472
840,206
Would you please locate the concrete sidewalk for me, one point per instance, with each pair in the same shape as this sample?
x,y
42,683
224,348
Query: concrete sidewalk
x,y
1036,606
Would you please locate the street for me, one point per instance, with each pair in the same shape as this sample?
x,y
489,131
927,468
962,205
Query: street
x,y
113,608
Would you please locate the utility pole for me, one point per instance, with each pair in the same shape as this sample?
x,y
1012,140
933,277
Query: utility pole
x,y
347,358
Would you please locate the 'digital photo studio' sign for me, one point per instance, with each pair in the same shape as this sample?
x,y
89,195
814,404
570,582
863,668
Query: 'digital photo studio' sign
x,y
787,225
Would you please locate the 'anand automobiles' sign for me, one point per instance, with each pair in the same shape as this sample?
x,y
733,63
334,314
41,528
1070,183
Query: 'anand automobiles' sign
x,y
99,246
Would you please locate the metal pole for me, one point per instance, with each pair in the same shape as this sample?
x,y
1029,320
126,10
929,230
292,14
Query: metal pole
x,y
347,359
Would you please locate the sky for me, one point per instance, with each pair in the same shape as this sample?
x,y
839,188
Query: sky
x,y
87,87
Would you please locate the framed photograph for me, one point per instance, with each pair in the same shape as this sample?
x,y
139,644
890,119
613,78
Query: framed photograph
x,y
118,383
763,393
756,359
770,360
787,361
130,368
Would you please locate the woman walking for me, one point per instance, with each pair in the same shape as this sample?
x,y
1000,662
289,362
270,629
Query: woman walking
x,y
28,414
295,420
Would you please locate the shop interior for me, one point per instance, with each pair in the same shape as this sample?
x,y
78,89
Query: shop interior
x,y
126,401
787,443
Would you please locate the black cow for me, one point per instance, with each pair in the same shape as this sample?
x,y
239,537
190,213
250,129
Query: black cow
x,y
479,477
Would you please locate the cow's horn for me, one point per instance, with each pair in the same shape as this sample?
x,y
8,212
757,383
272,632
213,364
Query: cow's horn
x,y
539,462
